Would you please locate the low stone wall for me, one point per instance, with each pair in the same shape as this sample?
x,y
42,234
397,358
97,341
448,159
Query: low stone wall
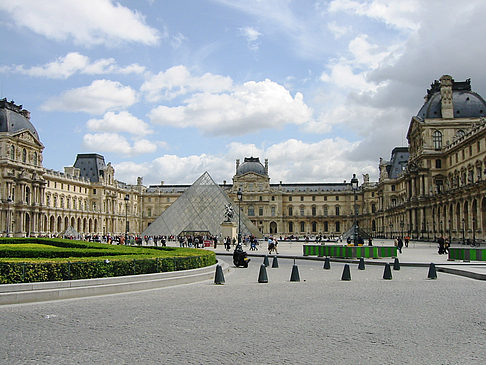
x,y
350,251
467,254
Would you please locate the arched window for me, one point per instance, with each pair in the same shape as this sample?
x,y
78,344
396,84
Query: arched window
x,y
437,138
314,211
24,156
12,152
314,227
302,226
35,159
291,227
251,211
291,211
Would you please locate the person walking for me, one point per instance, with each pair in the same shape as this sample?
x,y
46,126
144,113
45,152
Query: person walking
x,y
441,243
370,241
399,244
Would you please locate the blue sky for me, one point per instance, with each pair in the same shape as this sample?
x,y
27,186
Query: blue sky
x,y
169,89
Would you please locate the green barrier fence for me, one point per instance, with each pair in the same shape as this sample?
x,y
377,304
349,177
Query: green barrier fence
x,y
467,254
350,251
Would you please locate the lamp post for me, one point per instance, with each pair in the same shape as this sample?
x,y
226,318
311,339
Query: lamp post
x,y
127,198
9,201
463,231
450,237
239,194
401,226
354,186
441,230
474,231
391,233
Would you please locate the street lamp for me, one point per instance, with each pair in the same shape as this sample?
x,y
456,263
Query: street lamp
x,y
239,194
463,231
401,226
354,186
9,201
127,198
474,231
450,237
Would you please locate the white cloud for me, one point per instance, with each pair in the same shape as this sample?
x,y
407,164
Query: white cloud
x,y
401,14
338,30
74,62
115,143
178,80
252,35
289,161
87,22
119,122
247,108
97,98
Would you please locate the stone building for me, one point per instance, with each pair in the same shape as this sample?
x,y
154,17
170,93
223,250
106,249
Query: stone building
x,y
434,186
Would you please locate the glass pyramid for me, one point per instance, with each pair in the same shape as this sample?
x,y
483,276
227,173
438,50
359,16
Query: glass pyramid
x,y
200,209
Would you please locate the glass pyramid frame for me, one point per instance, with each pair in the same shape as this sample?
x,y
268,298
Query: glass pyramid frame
x,y
200,209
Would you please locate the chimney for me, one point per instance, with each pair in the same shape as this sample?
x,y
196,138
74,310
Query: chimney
x,y
237,164
266,166
446,97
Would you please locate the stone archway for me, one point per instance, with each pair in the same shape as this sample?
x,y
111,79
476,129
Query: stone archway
x,y
273,227
27,225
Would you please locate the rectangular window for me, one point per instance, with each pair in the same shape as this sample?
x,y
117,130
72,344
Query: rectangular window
x,y
337,197
301,198
273,211
94,191
291,211
290,198
302,226
273,198
325,198
313,198
438,163
479,146
326,226
393,187
251,211
338,227
302,211
260,211
337,210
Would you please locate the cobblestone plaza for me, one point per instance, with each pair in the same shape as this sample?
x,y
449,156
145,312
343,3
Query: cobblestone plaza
x,y
320,319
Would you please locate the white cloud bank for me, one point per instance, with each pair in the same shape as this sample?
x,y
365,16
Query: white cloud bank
x,y
116,143
289,161
72,63
119,122
97,98
239,110
86,22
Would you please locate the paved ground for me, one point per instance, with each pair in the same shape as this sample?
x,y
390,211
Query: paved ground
x,y
321,319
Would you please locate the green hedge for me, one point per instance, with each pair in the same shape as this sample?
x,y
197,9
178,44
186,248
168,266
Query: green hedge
x,y
101,260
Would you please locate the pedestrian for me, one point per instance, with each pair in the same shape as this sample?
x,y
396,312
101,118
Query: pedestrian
x,y
407,239
441,245
399,244
370,241
446,246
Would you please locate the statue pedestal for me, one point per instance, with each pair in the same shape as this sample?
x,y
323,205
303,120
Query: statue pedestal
x,y
228,229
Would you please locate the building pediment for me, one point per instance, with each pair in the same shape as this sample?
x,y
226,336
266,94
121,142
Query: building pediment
x,y
28,137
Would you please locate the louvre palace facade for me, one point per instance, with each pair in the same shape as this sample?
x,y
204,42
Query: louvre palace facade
x,y
434,186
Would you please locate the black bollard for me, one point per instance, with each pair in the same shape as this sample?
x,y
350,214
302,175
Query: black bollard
x,y
262,277
396,264
327,264
275,262
387,275
361,265
346,273
295,273
219,277
432,272
265,261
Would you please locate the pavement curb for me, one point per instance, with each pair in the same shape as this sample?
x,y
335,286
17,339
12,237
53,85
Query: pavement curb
x,y
69,289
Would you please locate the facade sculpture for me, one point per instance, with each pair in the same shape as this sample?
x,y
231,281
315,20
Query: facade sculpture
x,y
435,186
